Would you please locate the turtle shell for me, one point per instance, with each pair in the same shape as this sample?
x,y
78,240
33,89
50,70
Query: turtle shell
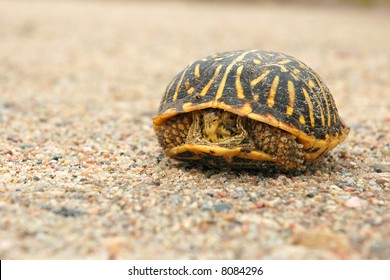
x,y
268,87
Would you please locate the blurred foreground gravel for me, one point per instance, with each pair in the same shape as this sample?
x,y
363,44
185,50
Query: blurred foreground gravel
x,y
82,176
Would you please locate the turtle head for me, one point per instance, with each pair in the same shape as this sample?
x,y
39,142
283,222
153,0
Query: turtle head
x,y
218,126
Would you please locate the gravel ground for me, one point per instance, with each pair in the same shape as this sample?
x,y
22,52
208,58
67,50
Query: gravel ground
x,y
82,176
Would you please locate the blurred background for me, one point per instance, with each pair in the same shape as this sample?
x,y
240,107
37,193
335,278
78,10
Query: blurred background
x,y
325,2
131,49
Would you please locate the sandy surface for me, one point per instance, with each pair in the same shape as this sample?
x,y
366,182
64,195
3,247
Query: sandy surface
x,y
82,176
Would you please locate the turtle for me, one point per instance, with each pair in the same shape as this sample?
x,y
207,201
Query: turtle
x,y
248,109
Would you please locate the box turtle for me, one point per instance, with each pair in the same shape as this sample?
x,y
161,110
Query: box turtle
x,y
248,109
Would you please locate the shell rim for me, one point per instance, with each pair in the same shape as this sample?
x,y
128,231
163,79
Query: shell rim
x,y
320,146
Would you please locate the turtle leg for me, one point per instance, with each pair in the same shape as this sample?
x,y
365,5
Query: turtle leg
x,y
174,131
284,147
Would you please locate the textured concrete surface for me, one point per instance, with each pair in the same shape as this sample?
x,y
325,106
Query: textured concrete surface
x,y
82,176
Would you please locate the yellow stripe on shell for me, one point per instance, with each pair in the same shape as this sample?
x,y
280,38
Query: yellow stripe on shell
x,y
335,114
167,91
272,93
187,84
228,69
302,65
310,105
291,95
240,90
246,108
311,85
294,73
281,66
197,70
179,84
260,78
207,87
285,61
324,97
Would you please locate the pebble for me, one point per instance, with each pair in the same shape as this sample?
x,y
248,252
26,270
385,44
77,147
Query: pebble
x,y
208,206
334,189
382,181
176,198
299,204
260,204
69,212
381,167
349,181
239,192
354,202
222,207
342,198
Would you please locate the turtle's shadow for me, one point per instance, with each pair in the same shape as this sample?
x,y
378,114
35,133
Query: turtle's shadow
x,y
271,172
326,165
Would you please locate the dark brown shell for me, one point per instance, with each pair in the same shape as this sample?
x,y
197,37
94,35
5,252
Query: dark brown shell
x,y
269,87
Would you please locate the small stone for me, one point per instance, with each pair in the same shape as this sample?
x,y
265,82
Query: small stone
x,y
353,202
381,167
372,185
86,149
341,198
221,194
176,198
334,189
312,194
222,207
348,189
375,201
69,212
8,152
56,158
252,196
208,206
260,204
299,204
273,203
240,192
382,181
40,187
350,182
